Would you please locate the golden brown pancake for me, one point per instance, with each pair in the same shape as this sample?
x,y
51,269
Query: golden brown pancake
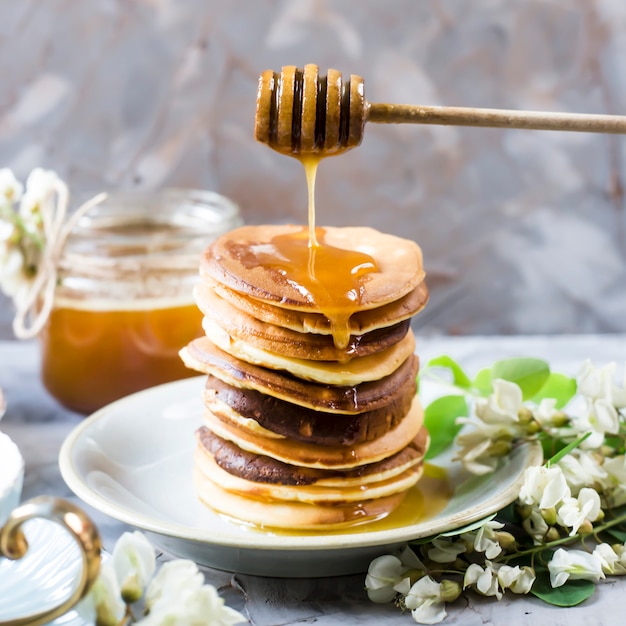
x,y
312,494
291,515
304,424
317,456
204,356
246,261
360,323
264,469
354,372
289,343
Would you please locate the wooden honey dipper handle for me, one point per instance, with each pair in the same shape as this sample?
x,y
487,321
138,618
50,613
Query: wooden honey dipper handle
x,y
494,118
300,112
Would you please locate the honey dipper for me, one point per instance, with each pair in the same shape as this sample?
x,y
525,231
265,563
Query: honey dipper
x,y
300,112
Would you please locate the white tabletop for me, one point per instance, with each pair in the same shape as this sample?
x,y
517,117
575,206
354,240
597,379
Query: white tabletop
x,y
39,425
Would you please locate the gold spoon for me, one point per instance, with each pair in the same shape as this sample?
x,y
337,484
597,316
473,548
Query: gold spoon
x,y
300,112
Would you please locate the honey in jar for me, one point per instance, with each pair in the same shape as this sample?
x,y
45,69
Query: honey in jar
x,y
124,302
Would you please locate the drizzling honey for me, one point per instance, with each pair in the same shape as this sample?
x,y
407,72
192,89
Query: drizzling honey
x,y
331,277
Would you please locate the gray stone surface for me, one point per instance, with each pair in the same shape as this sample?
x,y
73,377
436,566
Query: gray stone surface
x,y
522,231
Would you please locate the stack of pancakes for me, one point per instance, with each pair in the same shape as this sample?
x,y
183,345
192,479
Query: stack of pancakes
x,y
312,418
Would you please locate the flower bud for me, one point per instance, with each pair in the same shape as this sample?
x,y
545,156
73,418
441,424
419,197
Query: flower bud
x,y
533,428
524,415
549,515
552,534
450,590
585,528
501,447
505,539
559,419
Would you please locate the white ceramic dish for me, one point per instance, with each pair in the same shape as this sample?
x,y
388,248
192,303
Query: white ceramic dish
x,y
47,572
133,461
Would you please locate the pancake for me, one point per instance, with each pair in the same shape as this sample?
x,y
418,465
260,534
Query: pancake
x,y
356,371
318,456
248,261
204,356
293,344
291,515
264,469
299,423
314,494
359,323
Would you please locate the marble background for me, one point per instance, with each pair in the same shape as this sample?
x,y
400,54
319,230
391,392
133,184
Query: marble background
x,y
522,231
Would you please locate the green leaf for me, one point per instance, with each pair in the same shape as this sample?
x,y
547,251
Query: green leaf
x,y
566,450
459,377
440,421
573,592
482,382
529,373
620,535
558,386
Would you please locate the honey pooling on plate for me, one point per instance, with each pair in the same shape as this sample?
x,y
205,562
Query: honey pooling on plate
x,y
311,418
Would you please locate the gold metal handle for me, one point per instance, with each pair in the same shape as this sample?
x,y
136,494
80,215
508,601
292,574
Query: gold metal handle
x,y
13,545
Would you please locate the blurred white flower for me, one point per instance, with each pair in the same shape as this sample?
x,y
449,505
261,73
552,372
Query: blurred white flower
x,y
574,565
134,563
40,184
598,383
195,606
502,406
103,605
426,602
544,487
572,512
174,579
614,484
582,469
597,416
10,188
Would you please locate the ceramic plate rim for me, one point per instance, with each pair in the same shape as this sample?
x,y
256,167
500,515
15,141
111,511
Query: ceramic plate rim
x,y
260,540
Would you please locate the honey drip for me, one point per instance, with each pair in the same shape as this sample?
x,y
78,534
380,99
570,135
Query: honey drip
x,y
331,277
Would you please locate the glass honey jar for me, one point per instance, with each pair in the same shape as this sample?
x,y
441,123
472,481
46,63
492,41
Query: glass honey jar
x,y
123,303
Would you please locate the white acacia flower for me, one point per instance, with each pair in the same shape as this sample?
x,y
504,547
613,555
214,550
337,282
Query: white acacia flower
x,y
597,383
426,602
486,541
547,414
484,580
134,563
173,580
517,579
10,188
39,185
445,550
199,606
536,526
572,512
383,575
502,406
612,560
614,484
474,453
582,469
544,487
597,416
574,565
103,604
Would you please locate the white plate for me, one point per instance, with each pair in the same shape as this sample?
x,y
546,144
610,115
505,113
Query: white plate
x,y
133,461
46,575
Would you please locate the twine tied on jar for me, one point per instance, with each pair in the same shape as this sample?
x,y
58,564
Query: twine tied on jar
x,y
33,309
